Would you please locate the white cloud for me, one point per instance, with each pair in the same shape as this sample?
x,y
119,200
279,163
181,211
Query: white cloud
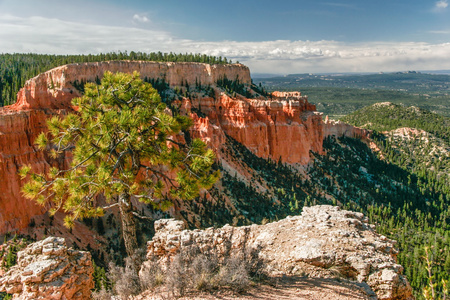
x,y
141,19
44,35
442,4
332,56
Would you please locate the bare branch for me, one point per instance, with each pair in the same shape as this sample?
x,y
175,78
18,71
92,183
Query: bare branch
x,y
110,206
117,164
142,217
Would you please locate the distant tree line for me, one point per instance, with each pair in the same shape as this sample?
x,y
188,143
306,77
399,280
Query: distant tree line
x,y
16,69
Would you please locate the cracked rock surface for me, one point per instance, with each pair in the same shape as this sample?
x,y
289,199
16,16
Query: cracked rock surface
x,y
48,269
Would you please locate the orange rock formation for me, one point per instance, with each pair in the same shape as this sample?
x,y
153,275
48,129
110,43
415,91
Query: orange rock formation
x,y
51,93
286,127
54,88
18,130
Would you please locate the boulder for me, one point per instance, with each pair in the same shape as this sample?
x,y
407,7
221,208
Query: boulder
x,y
49,270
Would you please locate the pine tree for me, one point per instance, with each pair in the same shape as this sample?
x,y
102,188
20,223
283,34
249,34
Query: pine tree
x,y
123,146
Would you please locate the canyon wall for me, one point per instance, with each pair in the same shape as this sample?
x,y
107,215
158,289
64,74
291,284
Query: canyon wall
x,y
18,130
55,89
50,93
284,128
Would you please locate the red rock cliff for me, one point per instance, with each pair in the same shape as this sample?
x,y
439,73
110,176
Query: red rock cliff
x,y
54,89
51,93
18,130
285,127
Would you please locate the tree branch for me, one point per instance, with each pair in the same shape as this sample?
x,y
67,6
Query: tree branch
x,y
110,206
78,165
170,180
142,217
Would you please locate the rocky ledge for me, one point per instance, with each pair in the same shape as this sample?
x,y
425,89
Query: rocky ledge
x,y
324,242
49,270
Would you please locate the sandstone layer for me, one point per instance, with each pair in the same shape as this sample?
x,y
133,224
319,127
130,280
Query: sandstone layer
x,y
323,242
49,270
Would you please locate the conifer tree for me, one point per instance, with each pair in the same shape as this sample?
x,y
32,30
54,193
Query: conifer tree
x,y
124,144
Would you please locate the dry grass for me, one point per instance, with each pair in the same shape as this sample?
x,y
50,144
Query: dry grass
x,y
189,271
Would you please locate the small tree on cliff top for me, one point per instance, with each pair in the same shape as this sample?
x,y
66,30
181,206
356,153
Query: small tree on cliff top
x,y
123,146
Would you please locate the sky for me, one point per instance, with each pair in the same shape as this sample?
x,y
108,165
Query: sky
x,y
277,37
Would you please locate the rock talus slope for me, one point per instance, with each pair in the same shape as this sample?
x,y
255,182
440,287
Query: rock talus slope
x,y
49,270
323,242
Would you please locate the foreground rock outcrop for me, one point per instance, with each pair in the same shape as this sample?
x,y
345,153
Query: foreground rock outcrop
x,y
323,242
48,269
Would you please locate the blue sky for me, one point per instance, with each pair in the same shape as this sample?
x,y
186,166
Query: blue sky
x,y
269,36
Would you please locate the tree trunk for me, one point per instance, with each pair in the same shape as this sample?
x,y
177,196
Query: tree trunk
x,y
128,224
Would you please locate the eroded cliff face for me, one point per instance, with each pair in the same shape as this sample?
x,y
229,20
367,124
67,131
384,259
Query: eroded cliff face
x,y
284,128
49,94
18,130
55,88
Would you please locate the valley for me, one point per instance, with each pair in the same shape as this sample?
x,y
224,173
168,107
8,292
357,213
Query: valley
x,y
337,95
275,152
